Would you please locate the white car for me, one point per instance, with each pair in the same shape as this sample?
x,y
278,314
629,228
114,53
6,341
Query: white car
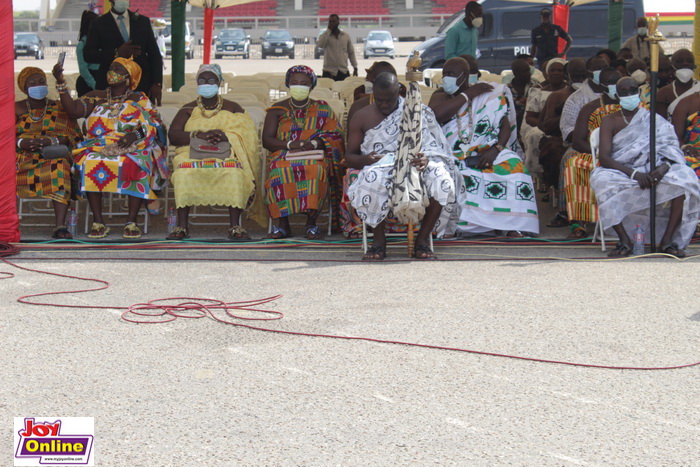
x,y
379,44
189,40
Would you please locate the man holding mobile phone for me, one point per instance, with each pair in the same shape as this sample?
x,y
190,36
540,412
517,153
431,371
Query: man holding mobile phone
x,y
338,49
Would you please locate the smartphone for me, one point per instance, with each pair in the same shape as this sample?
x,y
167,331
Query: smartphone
x,y
61,58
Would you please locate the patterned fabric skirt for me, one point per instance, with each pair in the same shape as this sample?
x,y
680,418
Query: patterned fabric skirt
x,y
43,178
295,186
580,200
211,183
499,198
116,174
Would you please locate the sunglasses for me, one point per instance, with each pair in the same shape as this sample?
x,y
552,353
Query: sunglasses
x,y
628,92
207,81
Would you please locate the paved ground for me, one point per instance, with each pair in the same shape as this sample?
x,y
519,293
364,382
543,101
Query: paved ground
x,y
197,392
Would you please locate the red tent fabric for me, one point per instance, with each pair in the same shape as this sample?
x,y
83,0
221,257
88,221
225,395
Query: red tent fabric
x,y
561,17
9,222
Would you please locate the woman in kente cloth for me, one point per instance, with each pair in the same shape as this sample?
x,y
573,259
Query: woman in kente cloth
x,y
125,147
233,182
300,123
42,122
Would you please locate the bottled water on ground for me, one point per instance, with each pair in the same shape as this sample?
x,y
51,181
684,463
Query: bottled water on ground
x,y
172,220
638,241
72,223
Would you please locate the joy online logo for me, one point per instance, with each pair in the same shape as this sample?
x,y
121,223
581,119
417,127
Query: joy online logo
x,y
44,441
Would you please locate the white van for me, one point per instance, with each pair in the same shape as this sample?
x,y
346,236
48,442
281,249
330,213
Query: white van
x,y
189,40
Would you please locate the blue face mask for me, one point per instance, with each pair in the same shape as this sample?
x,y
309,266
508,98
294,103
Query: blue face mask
x,y
612,91
473,79
38,92
532,70
630,102
449,84
596,77
207,90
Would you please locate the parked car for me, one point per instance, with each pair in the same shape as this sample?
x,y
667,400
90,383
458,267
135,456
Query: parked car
x,y
277,43
507,25
318,51
379,44
232,42
28,44
189,40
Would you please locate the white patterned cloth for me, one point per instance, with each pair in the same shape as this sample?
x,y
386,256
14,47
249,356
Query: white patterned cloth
x,y
499,198
573,106
693,89
369,194
531,135
620,200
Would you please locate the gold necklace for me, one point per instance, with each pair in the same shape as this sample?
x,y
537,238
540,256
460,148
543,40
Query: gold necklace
x,y
43,114
303,106
216,110
115,106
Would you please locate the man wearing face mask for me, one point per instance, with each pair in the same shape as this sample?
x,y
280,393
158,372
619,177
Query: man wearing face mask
x,y
621,182
637,70
683,63
590,90
123,33
337,50
580,200
463,37
373,143
545,39
500,195
638,45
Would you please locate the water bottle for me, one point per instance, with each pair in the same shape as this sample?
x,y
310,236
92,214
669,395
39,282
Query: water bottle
x,y
72,222
638,241
172,220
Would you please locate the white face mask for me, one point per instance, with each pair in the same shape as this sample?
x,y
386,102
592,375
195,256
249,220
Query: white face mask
x,y
642,31
477,22
369,86
639,76
684,74
576,86
612,91
596,76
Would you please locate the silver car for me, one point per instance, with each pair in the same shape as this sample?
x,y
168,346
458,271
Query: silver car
x,y
379,44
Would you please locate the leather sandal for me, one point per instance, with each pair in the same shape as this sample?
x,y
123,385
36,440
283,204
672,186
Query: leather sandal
x,y
178,233
238,233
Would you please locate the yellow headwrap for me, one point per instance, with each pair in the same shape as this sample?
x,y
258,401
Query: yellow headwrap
x,y
26,73
133,68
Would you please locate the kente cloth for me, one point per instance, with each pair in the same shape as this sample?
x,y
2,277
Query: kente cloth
x,y
299,186
369,194
692,137
231,182
573,106
693,89
498,198
531,135
45,178
408,198
580,199
620,200
136,173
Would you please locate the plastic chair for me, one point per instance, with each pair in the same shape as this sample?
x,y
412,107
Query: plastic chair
x,y
594,141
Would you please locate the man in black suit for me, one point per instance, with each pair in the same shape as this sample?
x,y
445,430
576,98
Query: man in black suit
x,y
123,33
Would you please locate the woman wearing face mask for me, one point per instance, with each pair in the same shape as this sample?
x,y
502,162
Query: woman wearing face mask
x,y
232,181
125,148
300,123
41,122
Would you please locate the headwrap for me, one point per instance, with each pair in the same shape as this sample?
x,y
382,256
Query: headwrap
x,y
216,69
301,69
26,73
133,68
555,60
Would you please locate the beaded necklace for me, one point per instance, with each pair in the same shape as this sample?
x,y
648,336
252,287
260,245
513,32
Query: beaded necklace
x,y
299,113
215,110
43,114
116,105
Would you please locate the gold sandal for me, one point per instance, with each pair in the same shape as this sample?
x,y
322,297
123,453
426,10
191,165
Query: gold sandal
x,y
98,230
238,233
131,231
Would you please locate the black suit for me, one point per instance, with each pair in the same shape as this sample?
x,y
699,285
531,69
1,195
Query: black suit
x,y
104,37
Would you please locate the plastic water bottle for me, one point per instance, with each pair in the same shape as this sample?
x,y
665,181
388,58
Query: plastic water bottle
x,y
638,248
172,220
72,222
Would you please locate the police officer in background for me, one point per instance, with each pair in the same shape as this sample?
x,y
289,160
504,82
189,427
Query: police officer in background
x,y
545,39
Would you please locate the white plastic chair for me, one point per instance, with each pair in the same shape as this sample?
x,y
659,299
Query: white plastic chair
x,y
594,141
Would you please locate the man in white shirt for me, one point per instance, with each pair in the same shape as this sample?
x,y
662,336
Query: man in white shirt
x,y
337,50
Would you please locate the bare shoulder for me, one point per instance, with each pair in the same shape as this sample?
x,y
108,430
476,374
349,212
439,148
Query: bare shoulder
x,y
438,96
233,107
665,94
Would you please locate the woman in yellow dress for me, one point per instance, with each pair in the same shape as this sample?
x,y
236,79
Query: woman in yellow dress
x,y
230,182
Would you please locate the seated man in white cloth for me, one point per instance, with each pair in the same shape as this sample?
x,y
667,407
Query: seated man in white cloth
x,y
622,180
373,141
499,191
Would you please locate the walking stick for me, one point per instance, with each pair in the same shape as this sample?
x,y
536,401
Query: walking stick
x,y
654,37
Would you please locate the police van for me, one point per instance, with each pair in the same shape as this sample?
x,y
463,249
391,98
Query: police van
x,y
507,25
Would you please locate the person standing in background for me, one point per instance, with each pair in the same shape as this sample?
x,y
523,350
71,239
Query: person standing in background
x,y
337,50
123,33
638,45
463,37
545,39
86,81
